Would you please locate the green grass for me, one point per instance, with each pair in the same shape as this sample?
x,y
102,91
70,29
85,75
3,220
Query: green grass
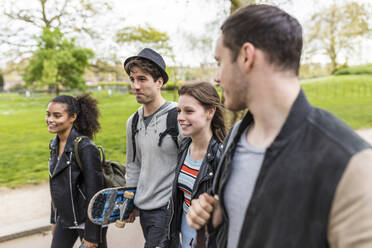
x,y
348,97
24,137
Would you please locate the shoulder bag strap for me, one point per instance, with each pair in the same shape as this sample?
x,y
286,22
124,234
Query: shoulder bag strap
x,y
76,150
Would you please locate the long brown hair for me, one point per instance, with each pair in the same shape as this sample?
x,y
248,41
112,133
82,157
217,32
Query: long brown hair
x,y
206,94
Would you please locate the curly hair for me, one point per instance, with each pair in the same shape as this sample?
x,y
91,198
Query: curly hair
x,y
205,93
85,107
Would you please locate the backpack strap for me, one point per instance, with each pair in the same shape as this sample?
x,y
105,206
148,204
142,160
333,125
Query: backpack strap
x,y
134,132
76,150
172,127
102,153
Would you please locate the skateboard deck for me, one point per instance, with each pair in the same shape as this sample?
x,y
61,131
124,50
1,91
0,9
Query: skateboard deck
x,y
111,205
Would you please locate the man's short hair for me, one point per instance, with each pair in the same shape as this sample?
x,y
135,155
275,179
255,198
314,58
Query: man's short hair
x,y
146,66
268,28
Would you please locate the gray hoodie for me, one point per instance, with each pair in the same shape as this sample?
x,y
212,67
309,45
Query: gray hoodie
x,y
152,172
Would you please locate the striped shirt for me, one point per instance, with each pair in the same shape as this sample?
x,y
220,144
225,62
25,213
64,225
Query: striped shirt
x,y
186,179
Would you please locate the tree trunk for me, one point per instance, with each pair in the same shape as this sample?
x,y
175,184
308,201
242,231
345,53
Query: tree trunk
x,y
50,89
333,57
57,89
235,4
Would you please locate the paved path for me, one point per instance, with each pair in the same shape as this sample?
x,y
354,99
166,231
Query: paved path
x,y
129,237
366,134
29,206
36,196
37,199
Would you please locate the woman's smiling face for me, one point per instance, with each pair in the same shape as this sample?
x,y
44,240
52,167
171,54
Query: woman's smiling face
x,y
58,119
192,116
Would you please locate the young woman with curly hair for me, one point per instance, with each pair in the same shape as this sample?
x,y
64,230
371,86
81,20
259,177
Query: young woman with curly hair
x,y
71,188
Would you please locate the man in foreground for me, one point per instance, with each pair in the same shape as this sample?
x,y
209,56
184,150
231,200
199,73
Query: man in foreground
x,y
291,175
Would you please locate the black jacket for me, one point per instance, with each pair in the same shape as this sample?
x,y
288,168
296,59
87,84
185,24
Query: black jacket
x,y
203,183
70,188
293,194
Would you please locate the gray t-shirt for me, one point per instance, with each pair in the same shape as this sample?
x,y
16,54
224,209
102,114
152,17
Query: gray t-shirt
x,y
147,119
246,165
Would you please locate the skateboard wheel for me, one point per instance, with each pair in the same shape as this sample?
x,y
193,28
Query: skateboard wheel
x,y
128,195
119,224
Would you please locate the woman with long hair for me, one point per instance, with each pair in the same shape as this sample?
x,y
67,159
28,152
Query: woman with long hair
x,y
200,116
72,187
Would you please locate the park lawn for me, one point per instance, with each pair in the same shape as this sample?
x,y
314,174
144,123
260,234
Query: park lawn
x,y
348,97
24,137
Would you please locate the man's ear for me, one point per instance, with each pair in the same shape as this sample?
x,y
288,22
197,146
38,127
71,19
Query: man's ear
x,y
160,82
247,56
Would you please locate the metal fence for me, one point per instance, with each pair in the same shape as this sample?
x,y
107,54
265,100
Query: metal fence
x,y
107,90
332,90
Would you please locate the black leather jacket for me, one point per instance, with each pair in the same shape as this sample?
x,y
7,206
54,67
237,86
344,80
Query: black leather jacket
x,y
203,183
71,188
294,191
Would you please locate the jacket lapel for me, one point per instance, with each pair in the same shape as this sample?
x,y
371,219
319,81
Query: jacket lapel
x,y
53,146
67,156
63,162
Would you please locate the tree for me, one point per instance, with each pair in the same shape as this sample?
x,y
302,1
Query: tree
x,y
236,4
146,36
1,82
202,45
102,67
57,62
335,30
22,22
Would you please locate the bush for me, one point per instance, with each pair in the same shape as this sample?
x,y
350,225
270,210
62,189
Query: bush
x,y
18,88
355,70
125,84
170,85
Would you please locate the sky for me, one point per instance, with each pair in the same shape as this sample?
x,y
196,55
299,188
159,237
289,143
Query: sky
x,y
178,18
175,17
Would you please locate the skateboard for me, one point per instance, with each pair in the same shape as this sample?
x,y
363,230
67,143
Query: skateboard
x,y
111,205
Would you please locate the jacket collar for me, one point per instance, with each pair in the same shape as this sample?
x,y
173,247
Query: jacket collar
x,y
67,153
210,153
54,143
69,143
297,115
70,140
209,156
